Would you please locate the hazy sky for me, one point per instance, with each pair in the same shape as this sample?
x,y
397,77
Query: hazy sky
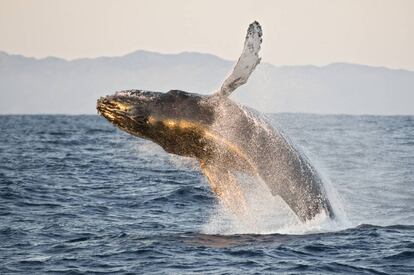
x,y
295,32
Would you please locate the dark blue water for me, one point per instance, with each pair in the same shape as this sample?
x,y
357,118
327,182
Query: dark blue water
x,y
79,196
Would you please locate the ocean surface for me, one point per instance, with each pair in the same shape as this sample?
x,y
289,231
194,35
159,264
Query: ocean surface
x,y
78,196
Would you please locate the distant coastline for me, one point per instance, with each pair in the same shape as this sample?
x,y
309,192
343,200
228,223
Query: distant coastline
x,y
54,85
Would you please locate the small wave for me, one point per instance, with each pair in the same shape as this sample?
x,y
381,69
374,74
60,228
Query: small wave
x,y
183,194
402,256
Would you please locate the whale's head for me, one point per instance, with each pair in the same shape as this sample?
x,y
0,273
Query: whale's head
x,y
163,118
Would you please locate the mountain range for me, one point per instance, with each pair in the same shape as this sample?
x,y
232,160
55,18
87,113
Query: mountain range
x,y
58,86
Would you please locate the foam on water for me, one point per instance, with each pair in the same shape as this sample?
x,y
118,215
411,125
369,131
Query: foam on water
x,y
268,214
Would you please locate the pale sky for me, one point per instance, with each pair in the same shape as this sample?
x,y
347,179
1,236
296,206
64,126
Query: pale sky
x,y
372,32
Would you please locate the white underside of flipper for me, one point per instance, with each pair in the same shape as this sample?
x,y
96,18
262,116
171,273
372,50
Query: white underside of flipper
x,y
247,62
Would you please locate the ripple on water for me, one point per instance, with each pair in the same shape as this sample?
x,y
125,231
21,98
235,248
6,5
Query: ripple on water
x,y
78,196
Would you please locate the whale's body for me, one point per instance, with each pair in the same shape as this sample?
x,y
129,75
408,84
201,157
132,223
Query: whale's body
x,y
229,141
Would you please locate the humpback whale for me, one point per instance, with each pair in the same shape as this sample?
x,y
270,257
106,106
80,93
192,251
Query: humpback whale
x,y
227,139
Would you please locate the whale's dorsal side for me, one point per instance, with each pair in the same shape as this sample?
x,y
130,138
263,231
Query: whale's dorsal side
x,y
247,62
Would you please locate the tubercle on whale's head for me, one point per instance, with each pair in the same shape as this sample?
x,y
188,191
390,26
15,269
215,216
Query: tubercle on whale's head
x,y
129,110
164,118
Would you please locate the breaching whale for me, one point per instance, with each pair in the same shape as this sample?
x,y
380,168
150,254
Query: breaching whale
x,y
227,139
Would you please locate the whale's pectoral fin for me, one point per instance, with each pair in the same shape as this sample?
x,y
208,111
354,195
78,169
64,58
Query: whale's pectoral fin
x,y
224,184
247,62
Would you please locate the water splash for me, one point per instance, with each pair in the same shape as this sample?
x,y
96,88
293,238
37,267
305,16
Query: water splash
x,y
268,214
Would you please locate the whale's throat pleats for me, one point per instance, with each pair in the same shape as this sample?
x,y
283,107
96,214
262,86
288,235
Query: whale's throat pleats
x,y
179,135
219,158
224,184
